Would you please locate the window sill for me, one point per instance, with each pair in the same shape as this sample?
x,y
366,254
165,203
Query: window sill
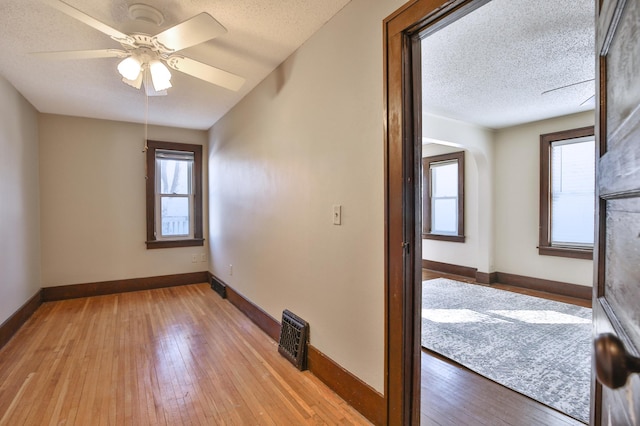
x,y
174,243
566,252
452,238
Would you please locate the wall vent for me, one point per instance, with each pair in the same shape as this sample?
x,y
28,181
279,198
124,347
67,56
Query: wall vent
x,y
294,333
219,287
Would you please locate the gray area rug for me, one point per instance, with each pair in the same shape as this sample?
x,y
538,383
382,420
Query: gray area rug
x,y
537,347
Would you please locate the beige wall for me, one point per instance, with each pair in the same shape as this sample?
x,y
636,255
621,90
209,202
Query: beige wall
x,y
19,202
308,137
92,185
502,198
458,253
517,173
442,134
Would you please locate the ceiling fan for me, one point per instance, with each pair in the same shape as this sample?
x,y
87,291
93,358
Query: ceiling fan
x,y
589,99
145,57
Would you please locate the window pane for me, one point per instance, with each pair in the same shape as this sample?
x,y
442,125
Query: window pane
x,y
444,216
444,197
174,176
444,179
572,193
174,216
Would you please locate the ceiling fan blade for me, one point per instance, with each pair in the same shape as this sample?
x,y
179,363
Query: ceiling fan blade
x,y
90,21
591,99
83,54
206,72
198,29
567,85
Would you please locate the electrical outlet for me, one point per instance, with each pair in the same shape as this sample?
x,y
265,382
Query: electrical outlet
x,y
203,257
194,258
230,269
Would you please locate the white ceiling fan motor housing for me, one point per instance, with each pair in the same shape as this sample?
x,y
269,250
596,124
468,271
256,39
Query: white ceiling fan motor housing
x,y
143,12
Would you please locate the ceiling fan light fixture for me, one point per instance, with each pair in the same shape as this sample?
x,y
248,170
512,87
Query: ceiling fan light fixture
x,y
160,75
130,68
137,83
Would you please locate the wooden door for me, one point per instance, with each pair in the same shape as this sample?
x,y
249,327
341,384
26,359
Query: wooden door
x,y
616,307
403,255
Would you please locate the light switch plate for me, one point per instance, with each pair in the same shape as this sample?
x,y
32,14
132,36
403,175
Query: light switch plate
x,y
337,214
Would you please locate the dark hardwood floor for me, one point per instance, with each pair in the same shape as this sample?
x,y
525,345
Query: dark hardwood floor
x,y
428,275
454,395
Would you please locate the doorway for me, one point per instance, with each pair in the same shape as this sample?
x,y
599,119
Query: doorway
x,y
403,32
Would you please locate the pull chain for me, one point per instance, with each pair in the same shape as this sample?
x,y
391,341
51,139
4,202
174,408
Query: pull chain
x,y
146,121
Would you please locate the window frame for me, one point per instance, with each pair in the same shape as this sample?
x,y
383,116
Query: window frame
x,y
426,196
151,195
161,196
545,247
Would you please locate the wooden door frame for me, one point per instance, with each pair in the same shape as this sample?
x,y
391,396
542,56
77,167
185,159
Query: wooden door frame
x,y
402,31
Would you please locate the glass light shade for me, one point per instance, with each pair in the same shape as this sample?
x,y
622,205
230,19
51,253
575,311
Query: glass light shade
x,y
130,68
160,76
137,83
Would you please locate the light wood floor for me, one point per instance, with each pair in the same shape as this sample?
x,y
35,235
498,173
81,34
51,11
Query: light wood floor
x,y
175,356
454,395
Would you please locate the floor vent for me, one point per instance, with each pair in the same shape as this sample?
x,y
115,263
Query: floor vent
x,y
294,333
219,287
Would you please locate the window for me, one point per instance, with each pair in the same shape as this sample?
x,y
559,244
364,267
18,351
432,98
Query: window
x,y
443,197
567,182
174,195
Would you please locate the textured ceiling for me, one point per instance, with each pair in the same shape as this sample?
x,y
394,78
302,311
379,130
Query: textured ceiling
x,y
492,66
261,34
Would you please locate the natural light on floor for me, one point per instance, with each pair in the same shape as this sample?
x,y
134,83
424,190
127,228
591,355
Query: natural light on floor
x,y
542,317
458,316
532,317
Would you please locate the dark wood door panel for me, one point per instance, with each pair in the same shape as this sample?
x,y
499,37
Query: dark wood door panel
x,y
618,190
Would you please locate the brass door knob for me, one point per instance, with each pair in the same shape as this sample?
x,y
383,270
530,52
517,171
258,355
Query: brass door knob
x,y
614,365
